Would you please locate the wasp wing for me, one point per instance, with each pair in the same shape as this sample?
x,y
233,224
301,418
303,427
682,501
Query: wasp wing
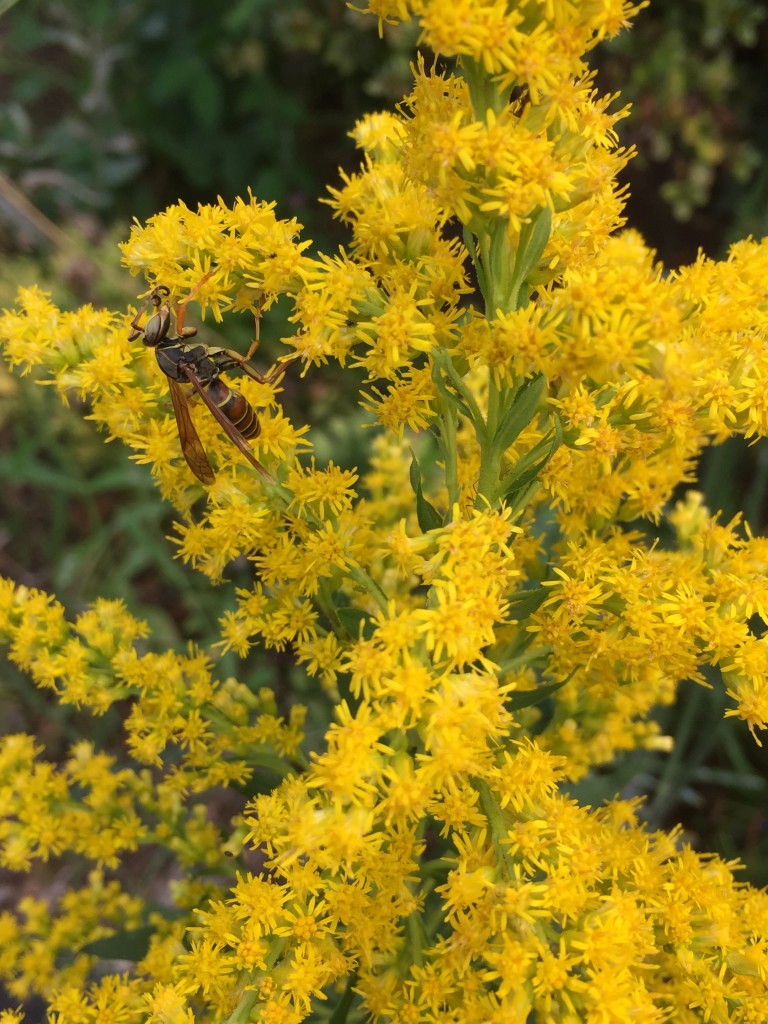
x,y
226,425
191,445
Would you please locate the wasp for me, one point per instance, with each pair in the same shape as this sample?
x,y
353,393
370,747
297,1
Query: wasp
x,y
201,366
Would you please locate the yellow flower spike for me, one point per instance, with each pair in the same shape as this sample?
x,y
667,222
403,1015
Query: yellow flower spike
x,y
322,656
423,858
42,335
326,492
379,134
167,1004
219,253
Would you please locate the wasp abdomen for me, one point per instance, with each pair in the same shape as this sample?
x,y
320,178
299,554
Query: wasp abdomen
x,y
236,408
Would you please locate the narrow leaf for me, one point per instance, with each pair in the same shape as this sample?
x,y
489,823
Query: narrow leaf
x,y
442,368
521,412
542,229
525,602
533,240
127,945
531,464
353,620
428,516
523,496
529,698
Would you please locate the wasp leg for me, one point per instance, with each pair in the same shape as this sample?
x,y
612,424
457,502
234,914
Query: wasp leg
x,y
278,370
228,359
181,308
256,330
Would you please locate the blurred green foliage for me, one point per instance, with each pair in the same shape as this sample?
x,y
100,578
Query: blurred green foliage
x,y
115,108
696,74
120,108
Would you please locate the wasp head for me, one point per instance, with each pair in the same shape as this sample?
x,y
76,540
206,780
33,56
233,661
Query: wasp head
x,y
156,328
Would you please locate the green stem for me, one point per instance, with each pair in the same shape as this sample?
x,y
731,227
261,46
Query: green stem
x,y
494,407
498,824
361,577
442,361
242,1012
484,94
341,1012
488,479
449,451
326,603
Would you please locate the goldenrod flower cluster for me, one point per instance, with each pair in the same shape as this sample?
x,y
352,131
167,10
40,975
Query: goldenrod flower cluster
x,y
422,863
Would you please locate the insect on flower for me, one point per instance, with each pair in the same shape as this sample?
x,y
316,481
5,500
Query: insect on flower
x,y
201,367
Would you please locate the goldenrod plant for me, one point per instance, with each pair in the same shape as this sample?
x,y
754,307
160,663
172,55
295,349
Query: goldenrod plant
x,y
542,386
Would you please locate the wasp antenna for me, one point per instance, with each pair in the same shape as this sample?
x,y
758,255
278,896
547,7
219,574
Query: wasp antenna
x,y
181,307
152,297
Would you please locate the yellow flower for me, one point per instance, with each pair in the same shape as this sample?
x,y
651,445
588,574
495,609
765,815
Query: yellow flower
x,y
326,492
408,402
167,1005
206,968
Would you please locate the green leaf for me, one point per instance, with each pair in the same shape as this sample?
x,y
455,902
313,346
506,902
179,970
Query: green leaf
x,y
261,781
127,945
527,468
524,407
742,965
354,620
529,698
542,276
533,241
342,1011
523,496
442,368
428,516
525,602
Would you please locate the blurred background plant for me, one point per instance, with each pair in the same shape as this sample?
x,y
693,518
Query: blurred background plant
x,y
117,109
112,110
696,75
